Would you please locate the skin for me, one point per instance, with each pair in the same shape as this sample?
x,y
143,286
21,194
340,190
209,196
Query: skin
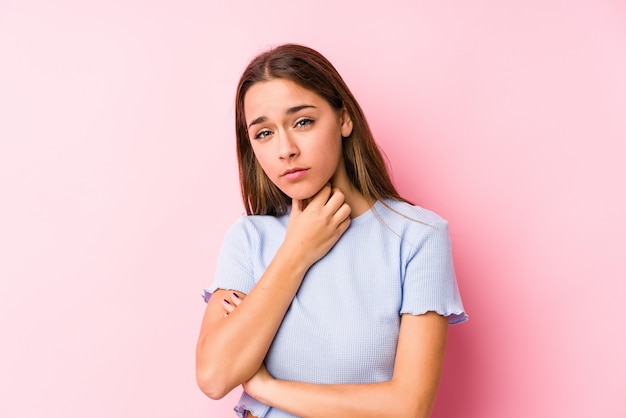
x,y
411,392
293,128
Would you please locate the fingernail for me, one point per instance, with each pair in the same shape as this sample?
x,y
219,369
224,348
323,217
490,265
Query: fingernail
x,y
226,302
235,295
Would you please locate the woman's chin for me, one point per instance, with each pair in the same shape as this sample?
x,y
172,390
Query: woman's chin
x,y
305,198
303,194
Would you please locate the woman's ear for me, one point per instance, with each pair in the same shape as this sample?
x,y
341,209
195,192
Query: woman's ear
x,y
346,123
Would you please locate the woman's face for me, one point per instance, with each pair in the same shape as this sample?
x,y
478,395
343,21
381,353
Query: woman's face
x,y
296,136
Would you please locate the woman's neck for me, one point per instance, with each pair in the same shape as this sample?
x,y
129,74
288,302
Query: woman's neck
x,y
358,203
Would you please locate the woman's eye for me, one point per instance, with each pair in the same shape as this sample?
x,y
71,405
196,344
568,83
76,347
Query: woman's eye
x,y
262,134
304,122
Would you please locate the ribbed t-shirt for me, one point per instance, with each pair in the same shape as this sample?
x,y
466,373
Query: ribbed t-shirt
x,y
343,323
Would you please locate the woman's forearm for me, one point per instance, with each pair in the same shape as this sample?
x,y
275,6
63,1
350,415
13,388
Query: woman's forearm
x,y
410,393
231,348
375,400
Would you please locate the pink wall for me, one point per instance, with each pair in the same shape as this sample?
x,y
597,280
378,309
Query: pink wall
x,y
118,179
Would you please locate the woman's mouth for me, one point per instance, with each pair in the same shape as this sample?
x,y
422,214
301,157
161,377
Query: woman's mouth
x,y
294,173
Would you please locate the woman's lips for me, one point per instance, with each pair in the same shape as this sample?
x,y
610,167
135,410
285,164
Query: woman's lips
x,y
294,173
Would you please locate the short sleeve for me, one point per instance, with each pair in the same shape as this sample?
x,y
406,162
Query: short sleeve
x,y
429,280
248,403
234,269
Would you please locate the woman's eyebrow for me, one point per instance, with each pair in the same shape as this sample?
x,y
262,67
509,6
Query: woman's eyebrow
x,y
290,111
296,109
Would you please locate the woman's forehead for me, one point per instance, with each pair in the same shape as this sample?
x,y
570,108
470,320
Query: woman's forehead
x,y
277,95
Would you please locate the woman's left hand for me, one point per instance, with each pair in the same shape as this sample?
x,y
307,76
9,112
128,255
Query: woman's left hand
x,y
258,382
235,300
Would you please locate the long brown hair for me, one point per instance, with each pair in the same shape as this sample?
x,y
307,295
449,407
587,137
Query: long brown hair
x,y
308,68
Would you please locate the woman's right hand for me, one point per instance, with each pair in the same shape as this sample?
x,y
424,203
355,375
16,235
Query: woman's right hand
x,y
234,338
312,231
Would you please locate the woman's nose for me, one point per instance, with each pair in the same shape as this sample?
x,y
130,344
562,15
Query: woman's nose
x,y
287,146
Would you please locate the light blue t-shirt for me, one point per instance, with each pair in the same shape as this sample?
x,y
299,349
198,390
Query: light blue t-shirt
x,y
343,323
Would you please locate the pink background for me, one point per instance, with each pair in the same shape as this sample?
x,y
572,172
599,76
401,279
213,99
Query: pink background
x,y
118,181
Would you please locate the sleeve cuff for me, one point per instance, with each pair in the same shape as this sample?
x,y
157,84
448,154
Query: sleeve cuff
x,y
248,403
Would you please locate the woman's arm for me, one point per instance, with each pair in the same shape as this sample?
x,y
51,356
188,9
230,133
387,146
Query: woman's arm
x,y
410,393
231,348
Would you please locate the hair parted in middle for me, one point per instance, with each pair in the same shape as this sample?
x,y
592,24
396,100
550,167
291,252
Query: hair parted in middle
x,y
306,67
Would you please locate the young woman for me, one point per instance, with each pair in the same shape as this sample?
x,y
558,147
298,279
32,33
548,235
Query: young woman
x,y
333,296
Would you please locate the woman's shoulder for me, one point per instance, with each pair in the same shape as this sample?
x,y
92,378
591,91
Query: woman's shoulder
x,y
414,224
403,212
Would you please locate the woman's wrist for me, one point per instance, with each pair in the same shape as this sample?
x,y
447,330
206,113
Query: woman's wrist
x,y
261,386
293,259
262,392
